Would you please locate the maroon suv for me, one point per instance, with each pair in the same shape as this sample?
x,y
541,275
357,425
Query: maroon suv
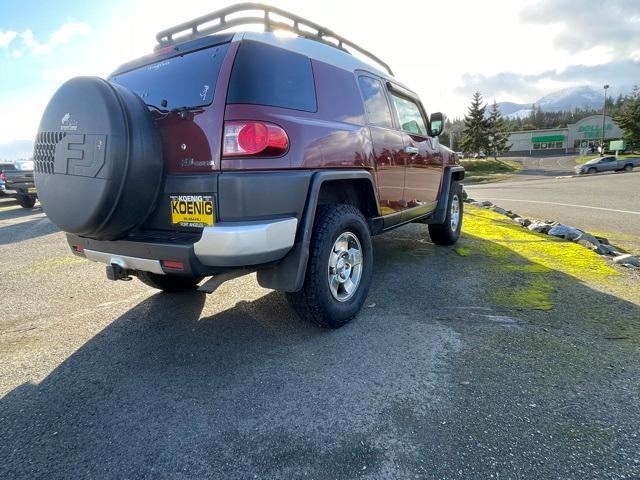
x,y
227,153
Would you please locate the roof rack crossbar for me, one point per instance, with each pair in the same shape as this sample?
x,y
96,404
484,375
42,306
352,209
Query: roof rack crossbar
x,y
191,29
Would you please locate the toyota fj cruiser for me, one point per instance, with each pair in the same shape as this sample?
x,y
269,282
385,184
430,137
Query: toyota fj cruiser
x,y
227,153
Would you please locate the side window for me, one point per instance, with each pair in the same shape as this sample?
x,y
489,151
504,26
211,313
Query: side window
x,y
267,75
409,115
375,102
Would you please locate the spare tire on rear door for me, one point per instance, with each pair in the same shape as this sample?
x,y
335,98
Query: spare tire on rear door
x,y
97,159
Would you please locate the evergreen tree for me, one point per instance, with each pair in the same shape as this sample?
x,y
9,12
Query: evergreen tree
x,y
498,133
628,117
474,134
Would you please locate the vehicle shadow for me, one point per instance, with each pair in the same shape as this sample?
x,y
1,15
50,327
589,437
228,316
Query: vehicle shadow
x,y
25,230
252,390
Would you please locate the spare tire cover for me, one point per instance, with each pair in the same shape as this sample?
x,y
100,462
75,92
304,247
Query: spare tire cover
x,y
97,159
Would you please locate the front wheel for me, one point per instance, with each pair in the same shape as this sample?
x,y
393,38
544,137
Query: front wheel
x,y
628,167
447,233
339,270
591,170
169,283
26,201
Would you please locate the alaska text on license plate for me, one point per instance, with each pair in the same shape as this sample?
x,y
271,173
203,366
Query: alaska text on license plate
x,y
192,210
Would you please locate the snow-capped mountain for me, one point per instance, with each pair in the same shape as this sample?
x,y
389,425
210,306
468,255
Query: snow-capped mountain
x,y
567,99
583,98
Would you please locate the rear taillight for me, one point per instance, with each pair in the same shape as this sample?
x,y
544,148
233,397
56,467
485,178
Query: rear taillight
x,y
254,138
172,264
3,176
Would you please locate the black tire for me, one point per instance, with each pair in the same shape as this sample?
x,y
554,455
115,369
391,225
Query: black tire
x,y
315,302
26,201
169,283
446,233
628,167
591,170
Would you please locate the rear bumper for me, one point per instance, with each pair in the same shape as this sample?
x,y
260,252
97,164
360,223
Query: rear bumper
x,y
224,245
237,244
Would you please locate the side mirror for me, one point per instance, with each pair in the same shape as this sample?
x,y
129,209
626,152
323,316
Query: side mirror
x,y
436,124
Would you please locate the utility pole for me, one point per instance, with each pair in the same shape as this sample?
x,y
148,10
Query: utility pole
x,y
604,107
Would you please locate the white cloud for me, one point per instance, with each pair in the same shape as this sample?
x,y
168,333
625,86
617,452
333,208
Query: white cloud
x,y
65,34
7,37
614,24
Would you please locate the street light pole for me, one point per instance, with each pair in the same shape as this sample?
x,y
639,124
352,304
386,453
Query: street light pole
x,y
604,107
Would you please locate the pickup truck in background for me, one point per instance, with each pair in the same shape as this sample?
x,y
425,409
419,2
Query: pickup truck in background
x,y
609,163
16,180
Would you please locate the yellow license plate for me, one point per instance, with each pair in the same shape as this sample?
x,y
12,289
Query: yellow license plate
x,y
31,190
192,210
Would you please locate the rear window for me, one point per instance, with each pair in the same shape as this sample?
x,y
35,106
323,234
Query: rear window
x,y
187,80
267,75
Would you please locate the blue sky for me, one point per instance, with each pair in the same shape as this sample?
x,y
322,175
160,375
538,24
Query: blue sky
x,y
510,51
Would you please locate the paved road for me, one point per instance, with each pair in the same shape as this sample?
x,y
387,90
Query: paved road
x,y
607,203
104,379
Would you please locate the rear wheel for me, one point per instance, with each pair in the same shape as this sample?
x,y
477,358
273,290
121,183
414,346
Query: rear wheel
x,y
628,167
447,233
339,269
169,283
591,170
26,201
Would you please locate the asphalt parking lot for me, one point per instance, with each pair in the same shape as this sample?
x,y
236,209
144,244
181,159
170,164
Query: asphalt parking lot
x,y
494,359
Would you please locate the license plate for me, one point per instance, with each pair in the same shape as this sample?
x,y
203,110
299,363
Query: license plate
x,y
31,190
192,210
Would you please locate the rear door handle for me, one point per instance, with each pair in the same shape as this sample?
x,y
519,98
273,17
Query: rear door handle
x,y
411,150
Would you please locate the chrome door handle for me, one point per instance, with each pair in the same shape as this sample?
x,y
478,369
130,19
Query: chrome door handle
x,y
411,150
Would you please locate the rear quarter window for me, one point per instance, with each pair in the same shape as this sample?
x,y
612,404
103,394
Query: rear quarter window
x,y
375,102
267,75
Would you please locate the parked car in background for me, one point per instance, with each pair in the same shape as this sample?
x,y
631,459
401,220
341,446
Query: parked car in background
x,y
460,155
480,155
609,163
18,181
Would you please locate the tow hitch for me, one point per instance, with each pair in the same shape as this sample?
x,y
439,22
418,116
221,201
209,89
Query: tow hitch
x,y
116,272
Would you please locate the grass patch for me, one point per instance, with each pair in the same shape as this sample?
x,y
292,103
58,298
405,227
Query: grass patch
x,y
535,294
534,258
489,170
543,251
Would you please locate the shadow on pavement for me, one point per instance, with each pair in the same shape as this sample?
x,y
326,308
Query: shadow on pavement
x,y
252,390
25,230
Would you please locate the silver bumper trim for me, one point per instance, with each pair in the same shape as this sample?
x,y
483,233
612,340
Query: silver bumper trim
x,y
234,244
124,261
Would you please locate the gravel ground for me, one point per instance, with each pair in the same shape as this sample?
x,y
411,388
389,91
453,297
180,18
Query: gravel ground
x,y
104,379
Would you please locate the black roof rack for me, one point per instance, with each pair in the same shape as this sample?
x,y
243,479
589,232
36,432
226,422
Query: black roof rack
x,y
197,28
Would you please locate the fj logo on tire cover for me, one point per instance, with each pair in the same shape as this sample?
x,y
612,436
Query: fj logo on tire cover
x,y
82,155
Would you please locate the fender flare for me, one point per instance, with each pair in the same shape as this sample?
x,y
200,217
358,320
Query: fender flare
x,y
289,273
451,178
